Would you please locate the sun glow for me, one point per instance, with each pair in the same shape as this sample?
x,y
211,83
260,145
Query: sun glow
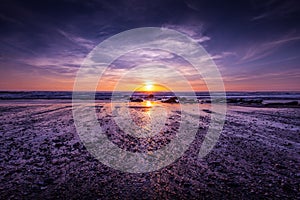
x,y
149,87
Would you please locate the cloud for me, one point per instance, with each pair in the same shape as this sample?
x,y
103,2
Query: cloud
x,y
282,41
261,50
80,41
54,38
277,9
193,31
289,74
61,66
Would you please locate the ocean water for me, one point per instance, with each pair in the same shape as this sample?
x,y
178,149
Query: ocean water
x,y
58,95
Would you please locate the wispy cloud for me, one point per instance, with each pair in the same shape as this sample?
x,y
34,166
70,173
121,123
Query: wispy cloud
x,y
193,31
48,40
261,50
286,75
276,9
282,41
80,41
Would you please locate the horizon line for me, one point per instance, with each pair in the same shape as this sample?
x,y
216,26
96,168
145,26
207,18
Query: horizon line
x,y
147,91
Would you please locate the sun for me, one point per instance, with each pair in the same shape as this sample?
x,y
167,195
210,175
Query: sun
x,y
148,87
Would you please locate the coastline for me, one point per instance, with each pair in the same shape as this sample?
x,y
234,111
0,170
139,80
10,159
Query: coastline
x,y
257,156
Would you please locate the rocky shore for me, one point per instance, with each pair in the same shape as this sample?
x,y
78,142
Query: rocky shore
x,y
257,157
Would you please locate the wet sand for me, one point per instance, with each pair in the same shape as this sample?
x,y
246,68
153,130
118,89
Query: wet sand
x,y
256,156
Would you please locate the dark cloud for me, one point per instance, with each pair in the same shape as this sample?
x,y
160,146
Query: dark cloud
x,y
242,36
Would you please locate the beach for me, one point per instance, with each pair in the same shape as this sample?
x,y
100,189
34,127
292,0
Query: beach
x,y
156,100
257,155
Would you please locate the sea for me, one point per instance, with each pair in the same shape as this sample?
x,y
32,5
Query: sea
x,y
67,95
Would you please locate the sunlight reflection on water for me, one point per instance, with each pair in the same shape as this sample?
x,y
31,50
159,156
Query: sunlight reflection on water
x,y
148,103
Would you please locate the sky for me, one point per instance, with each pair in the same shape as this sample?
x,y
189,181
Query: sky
x,y
255,44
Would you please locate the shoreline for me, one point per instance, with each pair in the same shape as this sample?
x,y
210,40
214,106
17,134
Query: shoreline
x,y
256,156
270,104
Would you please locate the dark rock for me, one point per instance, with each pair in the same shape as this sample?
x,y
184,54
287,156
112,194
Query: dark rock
x,y
171,100
291,103
76,145
207,111
136,99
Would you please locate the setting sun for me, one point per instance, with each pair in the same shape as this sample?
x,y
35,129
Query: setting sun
x,y
149,87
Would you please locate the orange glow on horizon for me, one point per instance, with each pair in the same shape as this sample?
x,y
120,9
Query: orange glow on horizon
x,y
152,88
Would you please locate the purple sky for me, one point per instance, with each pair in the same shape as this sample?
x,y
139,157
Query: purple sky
x,y
255,44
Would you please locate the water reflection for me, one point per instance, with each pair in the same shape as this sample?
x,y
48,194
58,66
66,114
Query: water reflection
x,y
148,103
148,118
141,119
148,110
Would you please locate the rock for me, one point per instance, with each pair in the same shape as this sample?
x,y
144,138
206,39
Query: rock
x,y
76,145
278,166
291,103
207,111
136,99
150,96
171,100
58,145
